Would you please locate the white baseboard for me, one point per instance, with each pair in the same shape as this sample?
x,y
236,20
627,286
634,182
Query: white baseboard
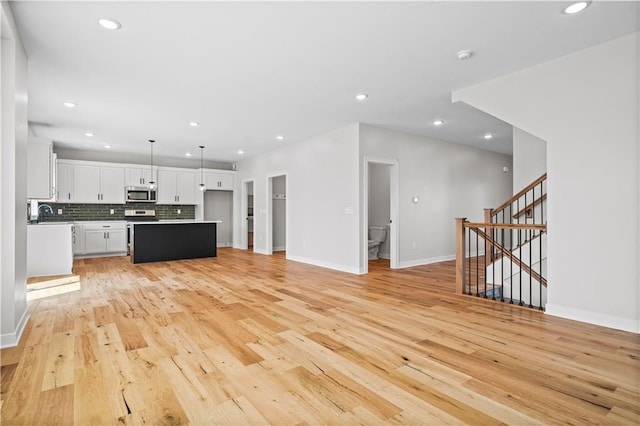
x,y
384,256
89,256
281,248
328,265
10,340
619,323
224,244
260,251
427,261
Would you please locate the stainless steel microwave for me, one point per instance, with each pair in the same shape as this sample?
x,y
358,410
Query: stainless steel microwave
x,y
140,194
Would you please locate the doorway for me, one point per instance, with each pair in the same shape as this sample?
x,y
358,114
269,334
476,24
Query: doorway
x,y
218,205
248,222
380,217
277,209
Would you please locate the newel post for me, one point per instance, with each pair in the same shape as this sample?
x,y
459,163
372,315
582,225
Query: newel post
x,y
460,250
488,248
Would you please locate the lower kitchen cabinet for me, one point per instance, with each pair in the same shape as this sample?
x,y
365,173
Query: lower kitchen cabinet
x,y
77,238
105,238
49,249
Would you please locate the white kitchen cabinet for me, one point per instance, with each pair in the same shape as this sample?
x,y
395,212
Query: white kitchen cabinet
x,y
105,238
139,176
218,181
49,249
64,182
86,184
176,187
99,185
40,173
77,238
112,185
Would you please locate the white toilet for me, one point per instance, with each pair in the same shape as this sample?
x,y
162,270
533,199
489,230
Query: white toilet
x,y
377,235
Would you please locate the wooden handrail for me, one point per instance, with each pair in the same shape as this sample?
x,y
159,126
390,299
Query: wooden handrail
x,y
538,226
530,206
514,259
519,194
460,249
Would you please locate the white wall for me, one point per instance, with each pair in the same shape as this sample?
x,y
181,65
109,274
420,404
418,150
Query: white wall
x,y
13,183
450,180
322,198
218,205
585,105
380,201
529,158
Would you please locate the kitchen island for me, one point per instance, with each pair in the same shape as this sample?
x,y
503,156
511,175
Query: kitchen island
x,y
172,240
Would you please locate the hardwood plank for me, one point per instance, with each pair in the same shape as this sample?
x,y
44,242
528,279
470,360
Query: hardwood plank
x,y
162,405
56,407
6,376
129,333
59,370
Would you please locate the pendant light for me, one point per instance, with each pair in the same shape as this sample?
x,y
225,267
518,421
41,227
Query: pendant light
x,y
202,187
152,184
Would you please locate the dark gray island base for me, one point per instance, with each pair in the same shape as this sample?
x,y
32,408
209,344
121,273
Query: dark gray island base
x,y
160,241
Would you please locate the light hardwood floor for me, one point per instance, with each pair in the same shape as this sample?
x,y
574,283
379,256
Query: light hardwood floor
x,y
252,339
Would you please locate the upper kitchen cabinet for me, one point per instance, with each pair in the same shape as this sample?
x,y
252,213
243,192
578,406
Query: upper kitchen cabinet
x,y
64,182
176,186
218,181
41,166
98,184
139,176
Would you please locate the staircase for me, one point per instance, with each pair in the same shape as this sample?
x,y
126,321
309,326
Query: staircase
x,y
504,258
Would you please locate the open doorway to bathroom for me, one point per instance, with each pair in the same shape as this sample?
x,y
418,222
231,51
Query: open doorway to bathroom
x,y
380,214
277,209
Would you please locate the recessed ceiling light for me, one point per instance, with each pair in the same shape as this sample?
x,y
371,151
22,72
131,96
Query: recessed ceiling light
x,y
576,7
89,134
240,152
110,24
464,54
187,154
438,122
361,96
488,136
107,146
70,104
194,124
280,137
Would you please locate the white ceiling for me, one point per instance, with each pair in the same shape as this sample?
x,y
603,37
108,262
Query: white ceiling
x,y
250,71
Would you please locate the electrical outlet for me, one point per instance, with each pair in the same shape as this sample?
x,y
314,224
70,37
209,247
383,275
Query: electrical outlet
x,y
110,211
59,211
413,246
179,211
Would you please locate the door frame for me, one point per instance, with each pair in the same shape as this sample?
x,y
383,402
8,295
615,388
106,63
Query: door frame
x,y
269,215
394,225
244,205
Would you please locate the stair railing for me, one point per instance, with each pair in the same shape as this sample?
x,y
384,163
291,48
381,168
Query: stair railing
x,y
516,276
525,207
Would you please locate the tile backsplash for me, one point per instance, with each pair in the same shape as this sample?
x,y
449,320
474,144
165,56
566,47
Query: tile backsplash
x,y
77,212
